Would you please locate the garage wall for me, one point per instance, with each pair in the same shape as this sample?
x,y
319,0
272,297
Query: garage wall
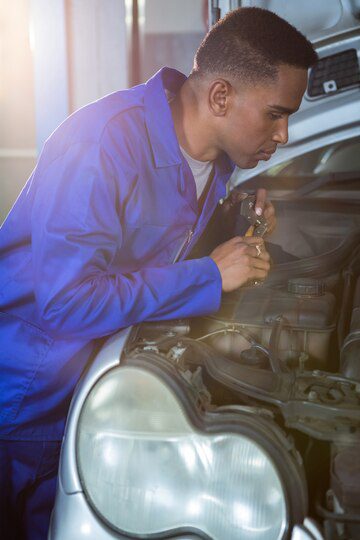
x,y
171,31
58,55
97,44
17,102
55,56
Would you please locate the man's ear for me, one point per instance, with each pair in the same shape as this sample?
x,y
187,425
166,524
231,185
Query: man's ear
x,y
219,96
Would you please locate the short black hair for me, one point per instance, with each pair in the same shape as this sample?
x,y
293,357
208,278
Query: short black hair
x,y
250,44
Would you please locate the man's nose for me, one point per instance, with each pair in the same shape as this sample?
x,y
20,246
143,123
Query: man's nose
x,y
281,133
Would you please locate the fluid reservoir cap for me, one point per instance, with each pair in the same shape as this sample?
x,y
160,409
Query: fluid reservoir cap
x,y
254,357
306,287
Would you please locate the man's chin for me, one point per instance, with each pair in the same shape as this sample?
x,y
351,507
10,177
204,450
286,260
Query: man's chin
x,y
248,163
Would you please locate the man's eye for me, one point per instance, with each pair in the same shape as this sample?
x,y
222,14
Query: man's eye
x,y
274,116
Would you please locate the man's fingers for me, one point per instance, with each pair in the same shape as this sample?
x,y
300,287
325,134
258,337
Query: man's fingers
x,y
264,255
257,252
250,257
260,201
248,240
269,210
253,240
261,264
240,260
258,261
261,269
258,273
252,247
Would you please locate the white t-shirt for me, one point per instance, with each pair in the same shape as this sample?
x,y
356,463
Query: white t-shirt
x,y
201,171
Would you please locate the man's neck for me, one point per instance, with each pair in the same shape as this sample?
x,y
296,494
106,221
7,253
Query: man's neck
x,y
192,132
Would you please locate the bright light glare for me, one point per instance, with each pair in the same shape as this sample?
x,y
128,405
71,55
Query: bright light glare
x,y
128,12
103,393
110,454
31,37
85,529
193,508
243,514
188,453
257,462
205,454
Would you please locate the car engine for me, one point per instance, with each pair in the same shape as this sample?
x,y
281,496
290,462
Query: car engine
x,y
287,349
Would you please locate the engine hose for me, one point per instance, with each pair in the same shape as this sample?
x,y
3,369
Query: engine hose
x,y
350,274
350,350
317,266
274,360
349,338
225,331
272,352
333,516
195,353
203,349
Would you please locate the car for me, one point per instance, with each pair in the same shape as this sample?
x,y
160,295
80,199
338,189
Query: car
x,y
244,424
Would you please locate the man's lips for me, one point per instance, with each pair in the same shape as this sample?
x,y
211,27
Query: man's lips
x,y
266,154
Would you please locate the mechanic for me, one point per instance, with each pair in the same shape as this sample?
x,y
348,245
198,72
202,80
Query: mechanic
x,y
123,187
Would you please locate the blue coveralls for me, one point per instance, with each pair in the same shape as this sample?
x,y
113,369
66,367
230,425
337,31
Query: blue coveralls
x,y
86,250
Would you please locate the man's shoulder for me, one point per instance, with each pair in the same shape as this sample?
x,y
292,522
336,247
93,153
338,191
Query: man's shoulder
x,y
98,115
123,109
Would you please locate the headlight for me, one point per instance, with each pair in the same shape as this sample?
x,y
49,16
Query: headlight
x,y
147,468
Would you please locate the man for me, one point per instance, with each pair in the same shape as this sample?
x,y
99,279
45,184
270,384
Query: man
x,y
124,187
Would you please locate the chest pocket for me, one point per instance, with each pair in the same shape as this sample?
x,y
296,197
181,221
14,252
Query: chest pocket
x,y
23,347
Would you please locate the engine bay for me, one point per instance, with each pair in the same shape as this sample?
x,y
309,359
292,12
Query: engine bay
x,y
289,346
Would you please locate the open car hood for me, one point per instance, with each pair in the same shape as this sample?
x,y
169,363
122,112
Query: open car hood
x,y
318,20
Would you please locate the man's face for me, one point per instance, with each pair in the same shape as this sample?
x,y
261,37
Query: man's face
x,y
257,118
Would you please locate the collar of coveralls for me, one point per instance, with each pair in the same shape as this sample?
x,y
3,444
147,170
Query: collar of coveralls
x,y
160,125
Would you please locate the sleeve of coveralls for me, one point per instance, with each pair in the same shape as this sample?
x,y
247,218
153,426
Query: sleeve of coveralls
x,y
75,234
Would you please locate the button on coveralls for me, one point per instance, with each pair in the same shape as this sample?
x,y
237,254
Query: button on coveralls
x,y
87,249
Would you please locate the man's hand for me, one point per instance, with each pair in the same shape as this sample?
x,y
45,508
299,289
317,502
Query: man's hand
x,y
264,207
241,259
